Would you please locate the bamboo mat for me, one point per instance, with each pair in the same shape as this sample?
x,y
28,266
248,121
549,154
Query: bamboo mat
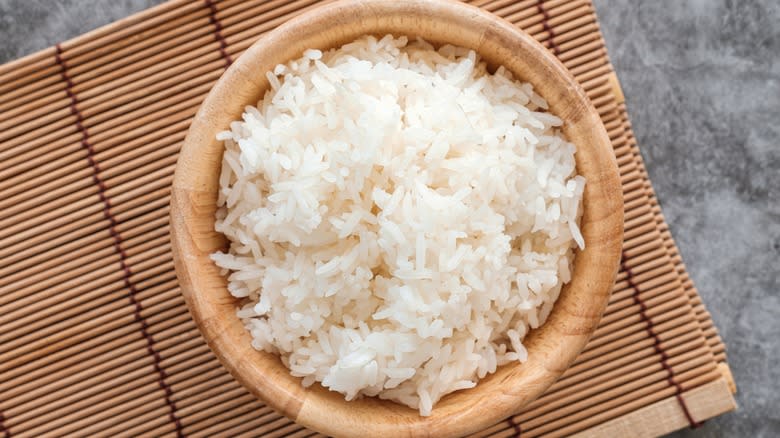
x,y
95,339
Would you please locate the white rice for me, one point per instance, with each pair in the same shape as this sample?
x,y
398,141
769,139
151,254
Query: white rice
x,y
399,218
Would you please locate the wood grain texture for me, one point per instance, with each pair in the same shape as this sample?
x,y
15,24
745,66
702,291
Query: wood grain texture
x,y
552,348
666,416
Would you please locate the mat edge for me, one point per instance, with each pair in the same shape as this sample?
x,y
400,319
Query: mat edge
x,y
660,418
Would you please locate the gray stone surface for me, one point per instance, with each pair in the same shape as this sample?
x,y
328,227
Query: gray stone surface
x,y
702,83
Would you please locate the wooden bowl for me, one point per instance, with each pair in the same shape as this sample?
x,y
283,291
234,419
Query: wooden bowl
x,y
551,348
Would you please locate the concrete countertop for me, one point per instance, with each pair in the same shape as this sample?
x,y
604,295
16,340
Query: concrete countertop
x,y
702,85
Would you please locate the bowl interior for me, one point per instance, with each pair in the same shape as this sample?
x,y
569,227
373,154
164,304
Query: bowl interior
x,y
551,348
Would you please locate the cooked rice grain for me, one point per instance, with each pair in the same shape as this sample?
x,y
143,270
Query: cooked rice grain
x,y
399,218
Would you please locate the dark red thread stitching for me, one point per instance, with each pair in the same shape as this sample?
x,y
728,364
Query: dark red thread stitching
x,y
515,427
546,26
218,32
117,241
6,432
656,342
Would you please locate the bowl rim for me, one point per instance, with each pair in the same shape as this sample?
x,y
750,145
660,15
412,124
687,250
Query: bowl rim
x,y
552,347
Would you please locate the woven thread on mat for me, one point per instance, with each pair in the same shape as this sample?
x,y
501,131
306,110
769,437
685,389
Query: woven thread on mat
x,y
218,32
515,427
547,28
117,241
657,342
6,433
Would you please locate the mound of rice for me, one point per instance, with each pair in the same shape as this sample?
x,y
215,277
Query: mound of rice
x,y
399,218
